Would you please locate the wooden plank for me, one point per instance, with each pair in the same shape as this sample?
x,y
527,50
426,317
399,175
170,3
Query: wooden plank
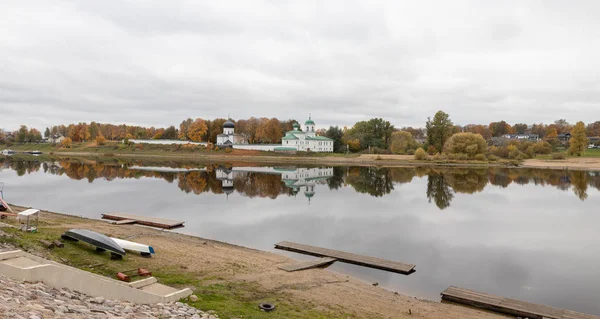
x,y
144,220
509,306
361,260
307,264
125,221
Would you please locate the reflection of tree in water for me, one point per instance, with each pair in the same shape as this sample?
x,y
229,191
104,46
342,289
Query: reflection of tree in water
x,y
442,183
402,175
465,180
337,181
580,184
370,180
439,190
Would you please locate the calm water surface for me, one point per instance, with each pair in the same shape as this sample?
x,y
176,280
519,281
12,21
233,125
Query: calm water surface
x,y
521,233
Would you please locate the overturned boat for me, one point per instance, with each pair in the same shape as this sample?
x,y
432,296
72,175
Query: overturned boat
x,y
100,241
144,250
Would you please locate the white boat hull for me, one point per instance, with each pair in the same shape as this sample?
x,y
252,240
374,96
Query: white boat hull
x,y
132,246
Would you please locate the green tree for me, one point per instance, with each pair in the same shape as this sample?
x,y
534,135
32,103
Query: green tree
x,y
47,133
22,134
438,130
401,142
520,128
374,133
337,135
170,133
578,142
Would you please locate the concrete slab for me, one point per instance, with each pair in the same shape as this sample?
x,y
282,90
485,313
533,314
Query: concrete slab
x,y
21,262
159,289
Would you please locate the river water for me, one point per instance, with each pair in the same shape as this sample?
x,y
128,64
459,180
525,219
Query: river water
x,y
521,233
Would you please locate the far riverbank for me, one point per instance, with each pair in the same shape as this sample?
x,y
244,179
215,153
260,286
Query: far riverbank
x,y
193,154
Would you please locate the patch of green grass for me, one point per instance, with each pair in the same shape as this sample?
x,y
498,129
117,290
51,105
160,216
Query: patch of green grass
x,y
228,299
241,300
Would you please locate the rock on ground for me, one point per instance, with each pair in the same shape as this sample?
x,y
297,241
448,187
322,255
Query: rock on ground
x,y
37,301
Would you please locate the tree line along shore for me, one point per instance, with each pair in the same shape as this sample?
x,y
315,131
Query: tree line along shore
x,y
440,137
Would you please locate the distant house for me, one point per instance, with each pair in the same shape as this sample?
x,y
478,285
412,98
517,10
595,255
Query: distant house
x,y
522,137
564,137
56,139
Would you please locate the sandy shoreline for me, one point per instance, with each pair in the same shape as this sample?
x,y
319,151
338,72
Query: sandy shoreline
x,y
320,288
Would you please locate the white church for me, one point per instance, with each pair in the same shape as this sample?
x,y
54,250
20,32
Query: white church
x,y
229,138
307,140
295,140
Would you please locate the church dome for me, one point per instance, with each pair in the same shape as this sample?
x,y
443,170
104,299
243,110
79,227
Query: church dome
x,y
228,124
309,122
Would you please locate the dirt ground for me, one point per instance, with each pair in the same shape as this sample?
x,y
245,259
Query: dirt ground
x,y
581,163
319,287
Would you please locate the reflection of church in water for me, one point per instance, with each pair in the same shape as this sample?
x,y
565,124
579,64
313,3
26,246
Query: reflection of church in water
x,y
297,179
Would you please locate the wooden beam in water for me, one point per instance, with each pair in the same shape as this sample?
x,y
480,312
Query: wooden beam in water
x,y
144,220
307,264
366,261
509,306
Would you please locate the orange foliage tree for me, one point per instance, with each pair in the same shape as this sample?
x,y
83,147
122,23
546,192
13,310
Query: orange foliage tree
x,y
67,142
196,130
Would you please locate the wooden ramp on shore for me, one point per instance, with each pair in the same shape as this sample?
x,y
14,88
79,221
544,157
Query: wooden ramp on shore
x,y
143,220
366,261
509,306
307,264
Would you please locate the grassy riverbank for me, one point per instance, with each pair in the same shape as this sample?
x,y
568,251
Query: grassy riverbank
x,y
201,154
230,279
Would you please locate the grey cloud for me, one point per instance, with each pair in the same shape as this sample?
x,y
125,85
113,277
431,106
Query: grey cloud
x,y
156,63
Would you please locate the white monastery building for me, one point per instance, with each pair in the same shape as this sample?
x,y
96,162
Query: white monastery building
x,y
307,140
229,137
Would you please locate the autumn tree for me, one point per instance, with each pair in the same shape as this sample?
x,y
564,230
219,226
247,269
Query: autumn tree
x,y
593,129
183,129
417,133
466,143
562,126
500,128
34,135
438,130
578,142
66,143
196,130
402,142
478,129
215,127
100,140
520,128
269,131
551,136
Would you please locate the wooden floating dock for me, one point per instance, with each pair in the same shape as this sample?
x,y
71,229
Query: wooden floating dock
x,y
143,220
307,264
510,306
371,262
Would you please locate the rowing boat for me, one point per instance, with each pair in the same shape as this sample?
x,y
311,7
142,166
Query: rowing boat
x,y
100,241
145,250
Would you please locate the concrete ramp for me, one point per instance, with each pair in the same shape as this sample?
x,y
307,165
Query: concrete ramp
x,y
22,266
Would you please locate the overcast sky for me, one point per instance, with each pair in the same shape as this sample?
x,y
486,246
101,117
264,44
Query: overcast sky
x,y
158,62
